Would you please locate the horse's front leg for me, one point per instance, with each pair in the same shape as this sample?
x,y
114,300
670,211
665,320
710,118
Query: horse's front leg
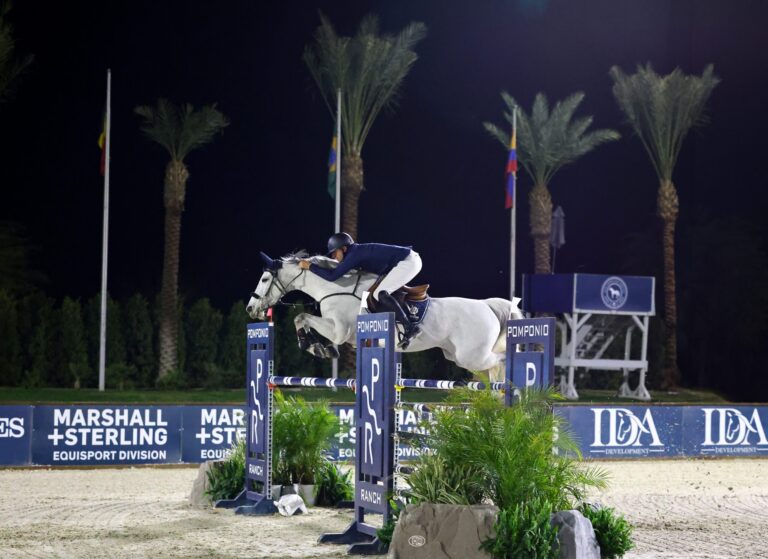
x,y
310,328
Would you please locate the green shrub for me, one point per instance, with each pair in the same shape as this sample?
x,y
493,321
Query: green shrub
x,y
523,531
226,479
301,434
515,448
613,532
120,375
434,480
173,380
332,485
385,532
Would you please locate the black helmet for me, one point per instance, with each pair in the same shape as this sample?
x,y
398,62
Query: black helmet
x,y
339,240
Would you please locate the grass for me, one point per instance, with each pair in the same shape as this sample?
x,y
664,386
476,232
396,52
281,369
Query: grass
x,y
342,395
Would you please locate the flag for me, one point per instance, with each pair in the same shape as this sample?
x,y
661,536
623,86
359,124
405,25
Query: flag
x,y
332,169
103,145
511,171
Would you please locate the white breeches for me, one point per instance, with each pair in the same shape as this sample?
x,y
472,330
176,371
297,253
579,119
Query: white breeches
x,y
400,275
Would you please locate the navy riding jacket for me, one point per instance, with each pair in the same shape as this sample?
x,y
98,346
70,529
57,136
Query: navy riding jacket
x,y
370,257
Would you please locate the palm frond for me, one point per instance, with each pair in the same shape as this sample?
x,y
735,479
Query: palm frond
x,y
180,129
662,109
549,139
368,68
11,66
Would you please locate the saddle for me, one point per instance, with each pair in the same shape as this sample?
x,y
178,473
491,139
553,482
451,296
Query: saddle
x,y
415,293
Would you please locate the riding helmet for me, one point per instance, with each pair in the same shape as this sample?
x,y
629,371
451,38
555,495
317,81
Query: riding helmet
x,y
339,240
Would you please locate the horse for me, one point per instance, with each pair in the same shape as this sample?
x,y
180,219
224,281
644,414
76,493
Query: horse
x,y
470,332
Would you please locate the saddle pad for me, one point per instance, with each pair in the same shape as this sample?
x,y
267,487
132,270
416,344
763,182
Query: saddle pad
x,y
416,310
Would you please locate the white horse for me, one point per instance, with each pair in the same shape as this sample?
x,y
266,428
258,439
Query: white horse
x,y
470,332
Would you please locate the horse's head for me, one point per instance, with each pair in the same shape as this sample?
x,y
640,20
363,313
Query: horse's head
x,y
279,278
266,293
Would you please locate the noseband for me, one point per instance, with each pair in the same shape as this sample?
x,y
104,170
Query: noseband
x,y
283,288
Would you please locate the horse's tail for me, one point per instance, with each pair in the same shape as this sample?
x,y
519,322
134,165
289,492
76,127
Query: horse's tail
x,y
504,309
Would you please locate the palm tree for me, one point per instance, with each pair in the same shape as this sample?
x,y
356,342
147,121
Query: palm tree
x,y
661,110
369,69
10,66
179,130
547,142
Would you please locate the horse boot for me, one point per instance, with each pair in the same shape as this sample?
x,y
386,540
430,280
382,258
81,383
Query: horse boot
x,y
409,329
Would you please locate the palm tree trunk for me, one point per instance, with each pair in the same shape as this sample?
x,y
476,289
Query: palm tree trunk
x,y
667,203
176,176
541,227
351,188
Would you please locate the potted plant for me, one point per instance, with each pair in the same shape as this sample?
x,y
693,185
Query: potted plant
x,y
301,435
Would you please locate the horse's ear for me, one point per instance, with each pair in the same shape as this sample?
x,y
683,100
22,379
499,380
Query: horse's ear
x,y
269,264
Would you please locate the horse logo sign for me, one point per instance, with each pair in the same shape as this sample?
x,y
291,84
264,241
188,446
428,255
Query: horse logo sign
x,y
614,293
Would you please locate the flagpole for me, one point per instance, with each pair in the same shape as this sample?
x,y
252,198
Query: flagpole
x,y
337,216
105,239
513,222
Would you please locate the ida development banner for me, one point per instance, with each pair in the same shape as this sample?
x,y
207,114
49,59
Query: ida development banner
x,y
123,435
668,431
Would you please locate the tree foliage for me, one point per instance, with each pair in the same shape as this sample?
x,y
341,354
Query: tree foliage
x,y
662,109
11,64
180,128
203,328
139,346
73,348
369,69
10,348
549,139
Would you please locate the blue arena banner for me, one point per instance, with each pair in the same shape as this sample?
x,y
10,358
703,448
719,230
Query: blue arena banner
x,y
210,431
625,431
725,431
100,435
568,293
15,435
619,294
114,435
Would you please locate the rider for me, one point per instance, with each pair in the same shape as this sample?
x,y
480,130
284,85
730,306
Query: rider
x,y
397,264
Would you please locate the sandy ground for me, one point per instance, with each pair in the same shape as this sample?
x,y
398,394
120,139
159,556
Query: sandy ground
x,y
680,509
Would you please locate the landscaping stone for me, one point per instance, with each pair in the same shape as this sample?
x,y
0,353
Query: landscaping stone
x,y
432,531
197,498
576,536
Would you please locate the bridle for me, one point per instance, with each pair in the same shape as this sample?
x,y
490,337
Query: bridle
x,y
283,288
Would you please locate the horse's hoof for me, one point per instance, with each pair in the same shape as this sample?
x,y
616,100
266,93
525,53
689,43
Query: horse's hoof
x,y
331,352
317,350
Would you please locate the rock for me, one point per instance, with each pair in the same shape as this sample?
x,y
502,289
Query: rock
x,y
197,498
576,536
432,531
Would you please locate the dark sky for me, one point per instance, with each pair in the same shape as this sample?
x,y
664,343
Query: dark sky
x,y
432,174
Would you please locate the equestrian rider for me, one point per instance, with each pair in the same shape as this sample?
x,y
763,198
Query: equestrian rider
x,y
397,264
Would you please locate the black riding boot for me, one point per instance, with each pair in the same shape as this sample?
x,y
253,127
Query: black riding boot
x,y
409,330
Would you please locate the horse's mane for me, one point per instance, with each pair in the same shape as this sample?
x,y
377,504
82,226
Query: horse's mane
x,y
322,261
347,280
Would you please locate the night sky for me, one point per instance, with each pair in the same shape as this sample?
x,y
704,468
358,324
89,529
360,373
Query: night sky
x,y
433,176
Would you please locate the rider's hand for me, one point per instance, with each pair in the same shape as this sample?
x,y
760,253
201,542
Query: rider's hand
x,y
304,264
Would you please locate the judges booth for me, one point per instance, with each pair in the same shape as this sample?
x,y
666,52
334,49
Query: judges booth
x,y
595,315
